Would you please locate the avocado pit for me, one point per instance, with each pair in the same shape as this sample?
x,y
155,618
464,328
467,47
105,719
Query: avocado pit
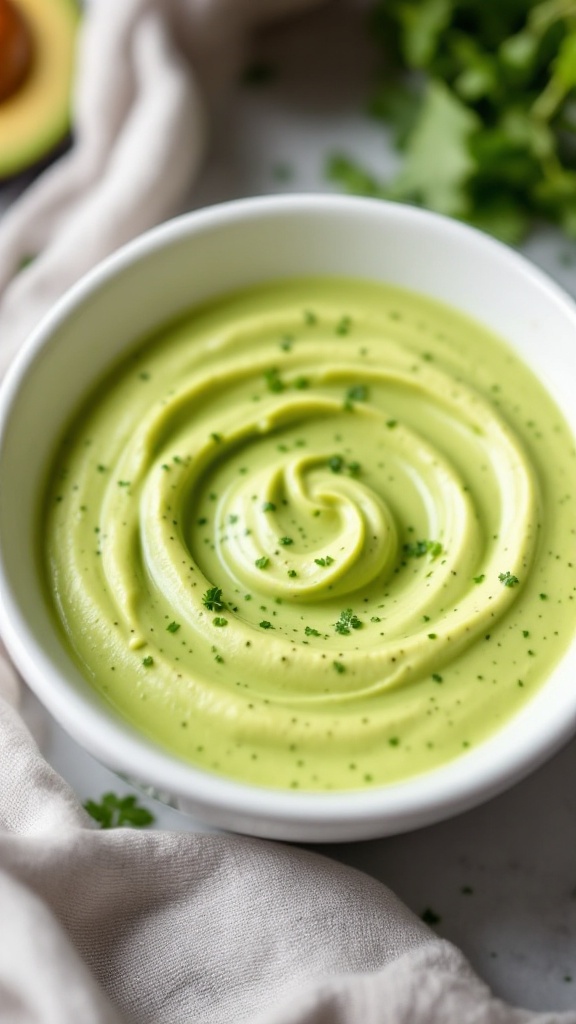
x,y
16,49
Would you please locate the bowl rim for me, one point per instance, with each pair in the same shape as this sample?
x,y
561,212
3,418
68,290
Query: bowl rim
x,y
370,811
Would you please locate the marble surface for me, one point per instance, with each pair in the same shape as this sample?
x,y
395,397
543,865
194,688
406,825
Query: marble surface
x,y
501,879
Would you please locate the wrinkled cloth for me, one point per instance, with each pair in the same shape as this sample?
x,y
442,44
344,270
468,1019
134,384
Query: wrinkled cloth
x,y
130,927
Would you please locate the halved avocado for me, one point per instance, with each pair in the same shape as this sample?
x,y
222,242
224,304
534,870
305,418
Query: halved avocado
x,y
37,51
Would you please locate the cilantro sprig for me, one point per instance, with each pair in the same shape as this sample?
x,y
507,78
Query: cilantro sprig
x,y
113,811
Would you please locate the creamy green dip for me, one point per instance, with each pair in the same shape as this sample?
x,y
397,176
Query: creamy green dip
x,y
316,535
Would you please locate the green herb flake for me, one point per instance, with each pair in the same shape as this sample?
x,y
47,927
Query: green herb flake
x,y
148,661
356,393
419,548
338,667
480,578
508,579
285,541
273,381
328,560
114,811
268,506
265,624
347,621
219,621
212,599
336,463
343,327
173,627
262,563
292,573
310,631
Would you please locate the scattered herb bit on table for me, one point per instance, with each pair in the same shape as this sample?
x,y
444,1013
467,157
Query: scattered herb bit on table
x,y
116,811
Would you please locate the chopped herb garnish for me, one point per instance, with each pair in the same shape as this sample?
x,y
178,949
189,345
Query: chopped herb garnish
x,y
261,563
265,624
357,393
212,599
508,579
347,621
310,631
148,661
115,811
292,573
268,506
173,627
480,578
273,381
339,666
391,424
301,383
328,560
418,548
285,541
336,463
343,326
216,437
219,621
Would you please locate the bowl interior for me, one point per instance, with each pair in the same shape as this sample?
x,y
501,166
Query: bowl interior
x,y
166,272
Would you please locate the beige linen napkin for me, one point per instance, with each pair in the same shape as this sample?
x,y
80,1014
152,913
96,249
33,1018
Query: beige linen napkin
x,y
126,927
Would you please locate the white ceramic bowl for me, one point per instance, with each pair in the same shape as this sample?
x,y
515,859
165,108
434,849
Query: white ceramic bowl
x,y
150,281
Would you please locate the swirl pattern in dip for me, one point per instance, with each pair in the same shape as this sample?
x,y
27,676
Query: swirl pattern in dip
x,y
316,535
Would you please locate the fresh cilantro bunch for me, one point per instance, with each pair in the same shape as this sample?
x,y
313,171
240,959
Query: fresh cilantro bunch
x,y
481,97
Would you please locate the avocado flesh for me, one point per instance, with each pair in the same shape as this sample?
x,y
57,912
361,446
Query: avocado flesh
x,y
35,117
